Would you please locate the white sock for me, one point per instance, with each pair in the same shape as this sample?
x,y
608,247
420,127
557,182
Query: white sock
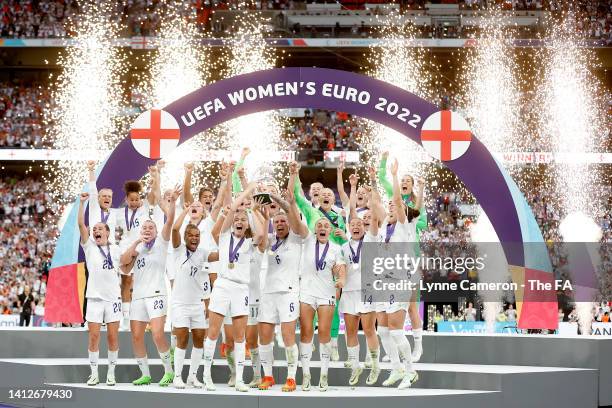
x,y
196,359
417,334
305,356
125,308
389,346
93,362
143,363
375,357
403,345
334,342
165,358
172,341
326,350
230,356
291,354
209,353
256,362
353,356
112,362
179,361
266,352
239,355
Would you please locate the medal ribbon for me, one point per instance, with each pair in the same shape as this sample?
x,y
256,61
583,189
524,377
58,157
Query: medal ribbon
x,y
278,243
234,251
390,231
129,225
320,261
104,216
106,256
356,255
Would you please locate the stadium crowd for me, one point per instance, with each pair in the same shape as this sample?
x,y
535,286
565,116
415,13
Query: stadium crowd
x,y
57,18
27,240
21,114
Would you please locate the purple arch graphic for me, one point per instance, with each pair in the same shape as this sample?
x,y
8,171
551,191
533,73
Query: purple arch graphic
x,y
477,168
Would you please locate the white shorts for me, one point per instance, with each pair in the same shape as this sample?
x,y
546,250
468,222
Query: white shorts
x,y
352,303
227,320
396,306
315,302
380,307
190,316
103,311
280,307
253,315
229,298
146,309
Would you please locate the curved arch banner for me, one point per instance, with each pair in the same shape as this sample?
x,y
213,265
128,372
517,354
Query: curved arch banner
x,y
444,134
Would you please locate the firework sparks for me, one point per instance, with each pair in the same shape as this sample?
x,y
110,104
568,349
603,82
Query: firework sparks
x,y
181,65
84,115
260,131
571,114
492,90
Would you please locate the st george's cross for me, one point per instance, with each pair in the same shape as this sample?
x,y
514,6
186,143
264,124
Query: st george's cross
x,y
446,135
155,133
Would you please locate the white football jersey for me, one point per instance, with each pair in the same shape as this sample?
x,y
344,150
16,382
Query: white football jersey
x,y
103,281
319,283
191,283
405,232
283,272
149,270
353,269
239,270
131,222
95,213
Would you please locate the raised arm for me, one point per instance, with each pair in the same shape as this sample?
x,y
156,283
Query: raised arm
x,y
129,256
93,188
234,207
239,181
280,201
260,221
397,194
375,200
420,189
353,179
293,216
154,194
176,228
216,230
310,213
81,218
171,208
344,199
382,175
187,196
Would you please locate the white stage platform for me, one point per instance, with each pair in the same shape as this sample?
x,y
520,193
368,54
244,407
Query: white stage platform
x,y
504,371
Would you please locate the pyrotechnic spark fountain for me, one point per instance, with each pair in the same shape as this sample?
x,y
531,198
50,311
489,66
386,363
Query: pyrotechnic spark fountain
x,y
84,115
260,132
496,267
401,65
572,119
572,114
492,92
181,65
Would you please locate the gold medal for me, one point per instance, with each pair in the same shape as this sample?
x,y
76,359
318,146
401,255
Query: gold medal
x,y
230,265
270,252
355,266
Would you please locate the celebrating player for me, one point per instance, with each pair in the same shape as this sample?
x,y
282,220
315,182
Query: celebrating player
x,y
146,260
400,228
103,293
280,299
190,294
238,244
409,198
